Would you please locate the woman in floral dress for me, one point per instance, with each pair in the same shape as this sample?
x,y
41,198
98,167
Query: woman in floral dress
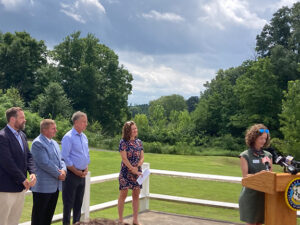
x,y
132,153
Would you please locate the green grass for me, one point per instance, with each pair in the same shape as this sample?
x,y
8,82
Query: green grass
x,y
105,162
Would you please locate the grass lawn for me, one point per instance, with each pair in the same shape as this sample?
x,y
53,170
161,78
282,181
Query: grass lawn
x,y
106,162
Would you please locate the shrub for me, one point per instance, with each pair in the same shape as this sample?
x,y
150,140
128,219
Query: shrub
x,y
153,147
94,134
63,125
33,121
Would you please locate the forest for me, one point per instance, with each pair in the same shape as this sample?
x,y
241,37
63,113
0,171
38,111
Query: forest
x,y
82,74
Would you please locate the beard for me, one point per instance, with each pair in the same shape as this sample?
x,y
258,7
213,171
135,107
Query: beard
x,y
20,126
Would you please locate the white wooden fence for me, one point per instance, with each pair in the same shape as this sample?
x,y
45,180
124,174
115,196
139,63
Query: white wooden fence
x,y
145,194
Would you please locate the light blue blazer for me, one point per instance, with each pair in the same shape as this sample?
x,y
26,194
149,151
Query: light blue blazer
x,y
47,158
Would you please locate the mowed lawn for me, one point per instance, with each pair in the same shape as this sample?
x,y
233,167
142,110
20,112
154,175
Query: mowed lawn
x,y
107,162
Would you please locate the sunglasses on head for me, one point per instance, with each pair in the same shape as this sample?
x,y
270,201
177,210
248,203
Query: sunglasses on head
x,y
263,130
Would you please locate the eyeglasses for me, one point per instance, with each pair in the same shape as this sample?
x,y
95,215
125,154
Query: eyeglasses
x,y
263,130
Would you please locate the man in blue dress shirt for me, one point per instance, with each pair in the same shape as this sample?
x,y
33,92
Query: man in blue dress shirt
x,y
50,171
75,153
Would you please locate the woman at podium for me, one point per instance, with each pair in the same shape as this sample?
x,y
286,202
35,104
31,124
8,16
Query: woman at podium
x,y
254,160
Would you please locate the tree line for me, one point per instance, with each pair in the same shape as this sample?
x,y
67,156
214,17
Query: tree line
x,y
82,74
78,74
262,90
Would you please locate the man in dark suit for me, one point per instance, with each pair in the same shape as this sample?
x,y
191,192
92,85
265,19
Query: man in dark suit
x,y
15,161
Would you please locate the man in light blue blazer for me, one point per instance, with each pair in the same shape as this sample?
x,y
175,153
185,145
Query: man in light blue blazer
x,y
50,172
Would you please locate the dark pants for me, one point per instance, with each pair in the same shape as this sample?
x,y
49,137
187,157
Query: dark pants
x,y
43,207
72,195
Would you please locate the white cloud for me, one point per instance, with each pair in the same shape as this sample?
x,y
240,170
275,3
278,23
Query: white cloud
x,y
282,3
153,14
83,10
93,3
75,16
12,5
152,79
222,13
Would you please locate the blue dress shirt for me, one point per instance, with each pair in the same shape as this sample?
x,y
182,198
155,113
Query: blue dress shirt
x,y
75,149
17,135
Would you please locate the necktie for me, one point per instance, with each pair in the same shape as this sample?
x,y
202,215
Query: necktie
x,y
18,136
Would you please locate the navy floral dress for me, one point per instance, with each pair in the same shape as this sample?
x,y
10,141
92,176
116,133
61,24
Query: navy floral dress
x,y
133,149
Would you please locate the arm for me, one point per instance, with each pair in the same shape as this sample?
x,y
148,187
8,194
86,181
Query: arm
x,y
76,171
30,162
66,145
41,157
65,151
125,160
63,171
244,167
141,159
8,162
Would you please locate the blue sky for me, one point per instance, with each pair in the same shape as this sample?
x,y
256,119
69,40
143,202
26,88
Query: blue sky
x,y
169,46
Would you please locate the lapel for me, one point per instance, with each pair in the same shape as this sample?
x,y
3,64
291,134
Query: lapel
x,y
50,146
15,141
24,141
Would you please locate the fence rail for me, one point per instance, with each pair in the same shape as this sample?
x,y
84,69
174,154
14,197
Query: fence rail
x,y
145,194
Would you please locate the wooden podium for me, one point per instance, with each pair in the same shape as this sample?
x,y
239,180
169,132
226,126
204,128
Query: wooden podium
x,y
273,185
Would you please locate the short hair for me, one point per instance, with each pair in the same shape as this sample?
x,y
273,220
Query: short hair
x,y
77,115
253,133
12,112
45,124
126,131
101,222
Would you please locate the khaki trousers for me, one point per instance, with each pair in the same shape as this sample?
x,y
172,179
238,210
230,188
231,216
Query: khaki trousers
x,y
11,206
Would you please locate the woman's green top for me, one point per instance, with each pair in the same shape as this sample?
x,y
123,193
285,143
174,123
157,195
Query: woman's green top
x,y
251,202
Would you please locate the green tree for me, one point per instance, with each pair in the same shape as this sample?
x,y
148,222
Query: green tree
x,y
93,80
138,109
45,75
52,102
9,99
142,123
290,118
157,116
20,57
283,30
218,103
285,65
259,96
192,103
169,103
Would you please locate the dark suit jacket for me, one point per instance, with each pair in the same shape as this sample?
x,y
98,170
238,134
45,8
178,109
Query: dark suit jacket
x,y
14,163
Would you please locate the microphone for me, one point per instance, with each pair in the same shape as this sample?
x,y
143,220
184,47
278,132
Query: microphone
x,y
284,162
265,160
289,163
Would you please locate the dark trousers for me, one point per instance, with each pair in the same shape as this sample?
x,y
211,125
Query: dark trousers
x,y
73,191
43,207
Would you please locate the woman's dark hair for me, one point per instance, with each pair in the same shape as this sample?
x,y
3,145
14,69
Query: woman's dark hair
x,y
254,132
126,131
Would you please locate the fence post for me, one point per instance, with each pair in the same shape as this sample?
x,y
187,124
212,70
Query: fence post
x,y
144,195
85,209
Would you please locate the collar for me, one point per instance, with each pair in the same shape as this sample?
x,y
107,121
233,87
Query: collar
x,y
13,130
74,131
49,140
257,153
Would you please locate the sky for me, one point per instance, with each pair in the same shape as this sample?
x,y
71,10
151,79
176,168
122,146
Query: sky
x,y
169,46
